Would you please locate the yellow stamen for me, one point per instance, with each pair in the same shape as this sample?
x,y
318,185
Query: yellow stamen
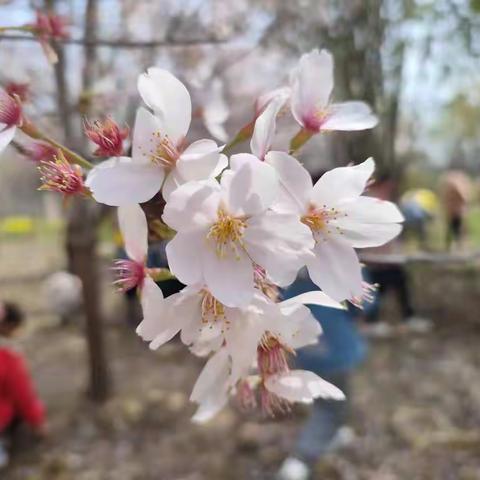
x,y
227,233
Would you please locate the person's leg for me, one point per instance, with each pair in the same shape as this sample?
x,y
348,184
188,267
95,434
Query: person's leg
x,y
6,438
399,282
327,417
372,310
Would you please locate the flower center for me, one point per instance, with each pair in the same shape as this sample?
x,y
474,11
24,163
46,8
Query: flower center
x,y
164,151
314,120
271,356
227,233
213,312
318,219
272,360
60,176
130,274
212,309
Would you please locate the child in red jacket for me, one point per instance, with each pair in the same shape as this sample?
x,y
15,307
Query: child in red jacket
x,y
18,400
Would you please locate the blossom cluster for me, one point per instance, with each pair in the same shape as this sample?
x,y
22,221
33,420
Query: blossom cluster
x,y
244,225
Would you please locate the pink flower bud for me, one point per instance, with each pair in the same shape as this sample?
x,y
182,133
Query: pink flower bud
x,y
108,136
49,25
60,176
10,110
19,90
40,152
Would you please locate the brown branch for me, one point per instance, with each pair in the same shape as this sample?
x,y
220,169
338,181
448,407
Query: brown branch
x,y
120,43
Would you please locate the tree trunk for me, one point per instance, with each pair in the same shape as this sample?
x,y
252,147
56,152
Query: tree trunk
x,y
82,222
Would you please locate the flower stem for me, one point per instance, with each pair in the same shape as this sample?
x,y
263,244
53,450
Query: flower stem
x,y
299,140
244,134
23,28
32,131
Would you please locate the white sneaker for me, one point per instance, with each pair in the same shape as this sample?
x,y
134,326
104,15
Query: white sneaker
x,y
293,469
4,456
418,324
344,437
377,330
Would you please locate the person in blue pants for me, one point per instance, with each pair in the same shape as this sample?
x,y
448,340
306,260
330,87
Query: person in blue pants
x,y
339,352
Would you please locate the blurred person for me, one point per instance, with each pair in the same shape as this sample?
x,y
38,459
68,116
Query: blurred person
x,y
19,402
419,207
339,352
391,276
455,193
63,292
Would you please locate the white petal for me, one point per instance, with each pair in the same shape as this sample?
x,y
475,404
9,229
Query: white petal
x,y
241,341
188,311
209,408
295,183
216,111
172,181
369,222
230,277
294,325
364,235
134,228
252,188
312,84
6,136
370,210
264,129
121,181
192,206
169,99
212,377
302,386
147,134
336,269
312,298
342,183
183,257
349,116
153,306
263,100
200,160
280,243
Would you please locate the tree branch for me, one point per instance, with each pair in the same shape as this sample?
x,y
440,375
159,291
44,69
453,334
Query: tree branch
x,y
119,43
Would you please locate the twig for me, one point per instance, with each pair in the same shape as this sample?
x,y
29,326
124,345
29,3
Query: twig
x,y
119,43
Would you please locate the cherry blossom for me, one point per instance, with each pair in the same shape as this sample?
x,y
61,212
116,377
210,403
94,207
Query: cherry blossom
x,y
108,137
273,329
40,152
160,155
311,88
133,272
58,175
223,228
340,219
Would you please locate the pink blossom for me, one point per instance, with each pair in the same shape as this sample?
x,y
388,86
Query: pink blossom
x,y
60,176
108,136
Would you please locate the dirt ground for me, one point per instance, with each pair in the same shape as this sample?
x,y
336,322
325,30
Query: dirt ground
x,y
416,401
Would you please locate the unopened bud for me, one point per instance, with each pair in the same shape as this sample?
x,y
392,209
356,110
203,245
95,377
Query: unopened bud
x,y
10,110
19,90
40,152
49,25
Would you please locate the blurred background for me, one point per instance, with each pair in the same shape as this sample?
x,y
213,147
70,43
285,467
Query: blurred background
x,y
119,411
